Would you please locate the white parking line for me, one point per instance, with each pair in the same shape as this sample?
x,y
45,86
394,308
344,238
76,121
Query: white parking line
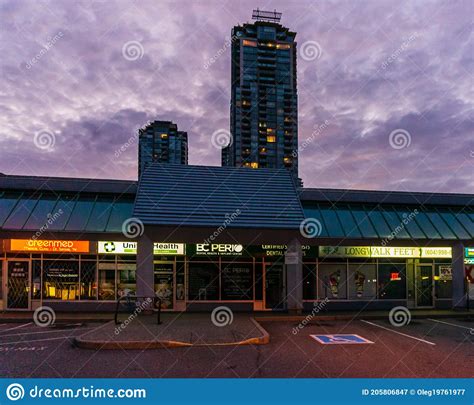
x,y
17,327
33,341
44,331
400,333
451,324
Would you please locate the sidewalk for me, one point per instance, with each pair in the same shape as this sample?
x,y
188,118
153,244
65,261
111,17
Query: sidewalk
x,y
176,330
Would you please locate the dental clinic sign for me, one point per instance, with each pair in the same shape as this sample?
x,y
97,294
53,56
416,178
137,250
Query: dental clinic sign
x,y
383,251
215,249
130,248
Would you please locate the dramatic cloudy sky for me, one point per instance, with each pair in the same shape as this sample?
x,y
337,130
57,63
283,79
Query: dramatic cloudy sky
x,y
71,99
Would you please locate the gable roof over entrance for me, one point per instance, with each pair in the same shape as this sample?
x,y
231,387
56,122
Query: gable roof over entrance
x,y
208,196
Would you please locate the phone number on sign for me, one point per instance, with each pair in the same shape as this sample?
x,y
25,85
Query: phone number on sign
x,y
419,392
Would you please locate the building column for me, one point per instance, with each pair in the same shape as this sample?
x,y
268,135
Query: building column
x,y
294,277
459,277
145,274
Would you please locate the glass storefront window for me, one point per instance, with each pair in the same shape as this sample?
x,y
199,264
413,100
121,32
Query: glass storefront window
x,y
237,281
362,281
88,281
309,281
164,284
127,279
180,285
258,280
35,279
332,279
106,281
392,280
203,281
61,280
443,280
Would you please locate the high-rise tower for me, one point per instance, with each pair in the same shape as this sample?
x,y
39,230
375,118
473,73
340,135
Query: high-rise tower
x,y
264,103
160,141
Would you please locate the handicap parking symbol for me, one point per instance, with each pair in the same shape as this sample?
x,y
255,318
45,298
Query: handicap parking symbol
x,y
340,339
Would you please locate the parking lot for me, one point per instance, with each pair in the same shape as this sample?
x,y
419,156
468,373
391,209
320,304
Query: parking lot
x,y
425,348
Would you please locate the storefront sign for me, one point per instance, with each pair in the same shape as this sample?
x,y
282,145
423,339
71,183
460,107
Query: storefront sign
x,y
206,249
130,248
469,252
383,251
445,273
36,245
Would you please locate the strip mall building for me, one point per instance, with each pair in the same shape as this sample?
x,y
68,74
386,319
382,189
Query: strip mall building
x,y
199,237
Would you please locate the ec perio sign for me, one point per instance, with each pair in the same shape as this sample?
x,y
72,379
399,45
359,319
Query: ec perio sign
x,y
216,249
384,251
130,248
37,245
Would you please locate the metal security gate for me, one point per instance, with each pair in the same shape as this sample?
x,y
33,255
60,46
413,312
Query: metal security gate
x,y
18,284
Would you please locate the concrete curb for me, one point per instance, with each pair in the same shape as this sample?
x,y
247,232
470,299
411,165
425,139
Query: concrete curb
x,y
299,318
160,344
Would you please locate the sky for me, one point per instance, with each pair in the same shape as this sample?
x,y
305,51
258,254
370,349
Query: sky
x,y
385,88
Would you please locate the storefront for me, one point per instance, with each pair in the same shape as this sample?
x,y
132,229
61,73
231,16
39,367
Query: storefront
x,y
92,275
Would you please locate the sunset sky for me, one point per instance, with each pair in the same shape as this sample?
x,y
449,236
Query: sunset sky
x,y
382,66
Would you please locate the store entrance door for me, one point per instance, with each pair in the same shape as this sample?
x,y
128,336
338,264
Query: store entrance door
x,y
18,288
275,286
424,286
165,283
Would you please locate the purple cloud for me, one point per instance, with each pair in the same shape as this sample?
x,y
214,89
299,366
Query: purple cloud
x,y
382,67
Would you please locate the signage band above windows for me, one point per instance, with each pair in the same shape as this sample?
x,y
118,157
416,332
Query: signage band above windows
x,y
130,248
42,245
469,252
384,251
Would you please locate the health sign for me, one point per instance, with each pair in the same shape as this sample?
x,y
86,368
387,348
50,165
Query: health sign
x,y
36,245
130,248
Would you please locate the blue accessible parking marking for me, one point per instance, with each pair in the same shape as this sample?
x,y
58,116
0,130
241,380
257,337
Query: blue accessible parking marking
x,y
340,339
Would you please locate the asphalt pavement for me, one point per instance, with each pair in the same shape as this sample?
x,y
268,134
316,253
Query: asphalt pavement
x,y
440,348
